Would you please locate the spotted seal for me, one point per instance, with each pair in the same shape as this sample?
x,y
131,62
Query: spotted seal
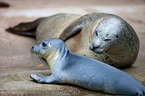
x,y
101,36
67,67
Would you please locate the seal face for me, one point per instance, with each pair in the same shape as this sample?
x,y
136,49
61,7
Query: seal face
x,y
89,73
115,37
106,37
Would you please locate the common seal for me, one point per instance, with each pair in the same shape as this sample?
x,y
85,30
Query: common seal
x,y
105,37
67,67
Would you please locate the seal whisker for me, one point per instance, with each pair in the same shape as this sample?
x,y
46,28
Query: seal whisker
x,y
40,59
103,57
110,57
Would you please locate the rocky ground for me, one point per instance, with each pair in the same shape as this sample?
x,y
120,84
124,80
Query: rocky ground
x,y
17,62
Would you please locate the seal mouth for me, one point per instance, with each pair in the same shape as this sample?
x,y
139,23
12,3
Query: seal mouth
x,y
35,50
97,49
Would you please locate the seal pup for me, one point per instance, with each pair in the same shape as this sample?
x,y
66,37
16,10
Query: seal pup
x,y
105,37
67,67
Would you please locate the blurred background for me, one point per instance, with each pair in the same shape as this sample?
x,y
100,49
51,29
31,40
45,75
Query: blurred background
x,y
16,60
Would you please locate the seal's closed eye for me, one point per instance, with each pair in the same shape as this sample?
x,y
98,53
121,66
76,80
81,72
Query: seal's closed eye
x,y
107,39
96,34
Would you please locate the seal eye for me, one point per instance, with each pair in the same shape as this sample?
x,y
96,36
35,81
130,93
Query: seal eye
x,y
43,44
96,34
107,39
117,36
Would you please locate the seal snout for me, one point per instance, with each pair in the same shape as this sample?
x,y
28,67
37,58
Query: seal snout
x,y
96,48
32,49
92,47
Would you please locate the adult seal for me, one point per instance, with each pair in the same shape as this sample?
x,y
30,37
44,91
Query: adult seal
x,y
101,36
67,67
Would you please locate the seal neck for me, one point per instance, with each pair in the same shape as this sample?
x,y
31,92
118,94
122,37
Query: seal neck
x,y
52,57
57,55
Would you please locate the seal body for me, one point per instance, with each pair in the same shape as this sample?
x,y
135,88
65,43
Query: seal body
x,y
53,26
67,67
101,36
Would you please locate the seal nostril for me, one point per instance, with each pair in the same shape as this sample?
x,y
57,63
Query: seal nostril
x,y
96,47
91,47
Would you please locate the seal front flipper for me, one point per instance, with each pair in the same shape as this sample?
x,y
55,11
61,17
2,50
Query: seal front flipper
x,y
25,29
45,79
71,31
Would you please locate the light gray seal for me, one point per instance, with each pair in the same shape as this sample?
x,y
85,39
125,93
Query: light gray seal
x,y
67,67
101,36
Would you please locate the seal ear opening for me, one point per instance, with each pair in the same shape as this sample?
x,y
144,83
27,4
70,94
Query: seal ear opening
x,y
117,36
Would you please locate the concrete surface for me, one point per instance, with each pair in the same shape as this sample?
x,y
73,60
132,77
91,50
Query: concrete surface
x,y
17,62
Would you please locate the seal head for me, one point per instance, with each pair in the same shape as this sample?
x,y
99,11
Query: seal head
x,y
43,49
115,37
51,49
105,38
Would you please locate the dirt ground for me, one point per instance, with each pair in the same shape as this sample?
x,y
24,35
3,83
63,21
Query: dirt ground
x,y
17,62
